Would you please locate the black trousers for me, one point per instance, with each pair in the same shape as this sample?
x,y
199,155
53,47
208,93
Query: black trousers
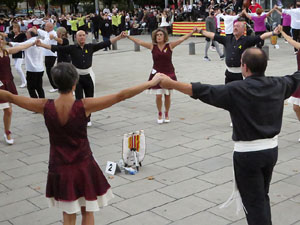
x,y
296,36
253,174
262,42
85,85
96,32
49,63
229,77
35,84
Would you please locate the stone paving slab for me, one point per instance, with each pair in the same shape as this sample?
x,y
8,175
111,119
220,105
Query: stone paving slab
x,y
189,159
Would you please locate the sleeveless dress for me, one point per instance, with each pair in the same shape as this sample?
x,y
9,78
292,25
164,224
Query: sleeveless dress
x,y
295,98
6,78
74,178
162,63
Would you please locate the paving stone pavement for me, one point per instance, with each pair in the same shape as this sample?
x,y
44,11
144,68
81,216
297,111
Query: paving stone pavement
x,y
189,158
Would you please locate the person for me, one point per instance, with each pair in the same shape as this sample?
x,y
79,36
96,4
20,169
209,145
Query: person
x,y
62,40
162,62
82,57
229,20
74,27
106,29
295,22
7,83
259,23
75,182
254,6
210,24
50,57
96,19
234,46
34,65
295,98
256,108
286,21
17,36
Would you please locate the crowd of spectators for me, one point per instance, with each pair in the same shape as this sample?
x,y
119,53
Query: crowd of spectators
x,y
112,21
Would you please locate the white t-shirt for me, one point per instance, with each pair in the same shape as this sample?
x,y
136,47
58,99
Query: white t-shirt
x,y
295,17
228,23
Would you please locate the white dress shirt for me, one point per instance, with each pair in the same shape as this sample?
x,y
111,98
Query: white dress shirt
x,y
34,57
46,36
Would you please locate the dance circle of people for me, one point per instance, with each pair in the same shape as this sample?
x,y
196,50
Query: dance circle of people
x,y
75,182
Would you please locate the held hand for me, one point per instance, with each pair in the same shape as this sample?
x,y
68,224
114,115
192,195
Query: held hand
x,y
165,82
156,79
195,29
279,28
276,31
51,36
38,42
124,34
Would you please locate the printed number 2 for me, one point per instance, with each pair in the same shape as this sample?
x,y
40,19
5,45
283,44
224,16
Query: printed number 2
x,y
110,167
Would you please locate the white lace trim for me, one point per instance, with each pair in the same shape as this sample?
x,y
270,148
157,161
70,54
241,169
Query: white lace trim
x,y
71,207
159,91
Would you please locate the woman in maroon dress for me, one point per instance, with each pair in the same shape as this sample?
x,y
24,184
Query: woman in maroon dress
x,y
7,83
75,182
295,98
162,63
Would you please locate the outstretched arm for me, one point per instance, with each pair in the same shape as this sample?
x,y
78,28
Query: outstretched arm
x,y
41,44
270,12
96,104
269,34
173,44
289,39
117,38
167,83
244,12
140,42
19,48
205,33
32,104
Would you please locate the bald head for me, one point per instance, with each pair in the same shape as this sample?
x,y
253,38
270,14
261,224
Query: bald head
x,y
80,37
48,26
255,60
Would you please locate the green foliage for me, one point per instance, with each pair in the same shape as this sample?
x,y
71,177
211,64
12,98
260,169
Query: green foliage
x,y
11,4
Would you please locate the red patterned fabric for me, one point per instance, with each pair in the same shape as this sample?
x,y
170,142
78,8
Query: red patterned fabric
x,y
6,76
73,172
162,63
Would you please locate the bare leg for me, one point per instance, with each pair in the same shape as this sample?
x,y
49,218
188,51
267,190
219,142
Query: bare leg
x,y
297,111
87,217
69,219
7,121
159,105
167,106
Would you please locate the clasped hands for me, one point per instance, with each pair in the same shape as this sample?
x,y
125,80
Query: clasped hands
x,y
163,80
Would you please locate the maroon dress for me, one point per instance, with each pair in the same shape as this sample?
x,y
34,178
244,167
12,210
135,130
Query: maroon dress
x,y
296,94
162,63
73,172
6,76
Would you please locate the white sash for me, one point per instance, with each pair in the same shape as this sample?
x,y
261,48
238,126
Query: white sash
x,y
86,72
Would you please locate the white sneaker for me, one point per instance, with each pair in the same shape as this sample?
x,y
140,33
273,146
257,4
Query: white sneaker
x,y
23,85
53,90
160,121
212,48
89,124
206,58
